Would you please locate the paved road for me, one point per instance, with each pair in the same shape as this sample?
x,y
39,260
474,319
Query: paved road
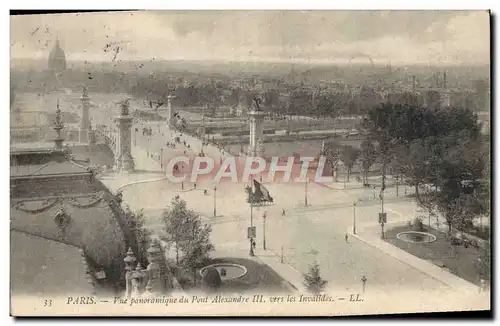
x,y
304,230
301,231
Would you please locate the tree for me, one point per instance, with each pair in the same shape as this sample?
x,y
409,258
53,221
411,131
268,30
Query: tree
x,y
198,246
367,98
175,226
141,234
398,161
332,152
460,212
349,155
441,153
271,100
185,231
368,156
313,281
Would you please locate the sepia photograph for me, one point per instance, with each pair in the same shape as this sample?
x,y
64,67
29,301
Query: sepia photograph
x,y
250,162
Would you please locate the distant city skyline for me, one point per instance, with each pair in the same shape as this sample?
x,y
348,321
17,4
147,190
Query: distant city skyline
x,y
316,37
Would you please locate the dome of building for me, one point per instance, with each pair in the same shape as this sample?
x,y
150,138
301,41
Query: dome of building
x,y
57,58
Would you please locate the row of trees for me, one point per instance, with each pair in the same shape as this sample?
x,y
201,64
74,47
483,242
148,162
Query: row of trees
x,y
349,155
440,152
294,102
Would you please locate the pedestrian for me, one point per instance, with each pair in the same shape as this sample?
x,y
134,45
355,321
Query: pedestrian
x,y
194,185
346,238
283,213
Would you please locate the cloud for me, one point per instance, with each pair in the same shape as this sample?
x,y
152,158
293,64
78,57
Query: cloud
x,y
400,36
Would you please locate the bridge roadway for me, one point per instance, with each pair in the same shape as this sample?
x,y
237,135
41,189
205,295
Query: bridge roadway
x,y
149,152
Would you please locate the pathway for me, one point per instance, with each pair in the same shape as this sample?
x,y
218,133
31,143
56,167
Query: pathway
x,y
370,235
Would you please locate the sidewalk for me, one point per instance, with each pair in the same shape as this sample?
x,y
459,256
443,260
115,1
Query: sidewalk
x,y
286,271
438,273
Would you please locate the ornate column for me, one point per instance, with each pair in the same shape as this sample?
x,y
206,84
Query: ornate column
x,y
129,272
58,126
83,134
256,118
124,162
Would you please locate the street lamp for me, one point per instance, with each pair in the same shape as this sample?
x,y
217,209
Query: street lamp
x,y
383,215
354,218
149,143
363,282
161,158
251,229
264,230
215,201
305,193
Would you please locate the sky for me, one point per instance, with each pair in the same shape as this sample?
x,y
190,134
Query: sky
x,y
396,37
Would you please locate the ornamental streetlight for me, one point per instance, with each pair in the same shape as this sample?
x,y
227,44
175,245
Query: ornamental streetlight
x,y
215,201
264,230
149,143
363,282
354,218
305,193
251,234
382,215
161,158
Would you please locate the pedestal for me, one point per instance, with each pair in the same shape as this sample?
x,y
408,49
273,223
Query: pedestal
x,y
256,119
124,162
83,133
83,136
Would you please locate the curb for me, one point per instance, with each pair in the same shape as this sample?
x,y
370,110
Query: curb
x,y
410,263
287,283
139,182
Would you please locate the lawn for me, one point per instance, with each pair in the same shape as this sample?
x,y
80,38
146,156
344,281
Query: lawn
x,y
258,277
458,259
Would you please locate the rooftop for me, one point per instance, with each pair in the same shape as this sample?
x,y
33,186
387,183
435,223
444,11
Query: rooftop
x,y
47,169
43,267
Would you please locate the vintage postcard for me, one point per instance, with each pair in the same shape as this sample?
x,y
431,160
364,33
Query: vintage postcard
x,y
250,163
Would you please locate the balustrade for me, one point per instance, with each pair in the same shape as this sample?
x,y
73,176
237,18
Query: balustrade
x,y
153,280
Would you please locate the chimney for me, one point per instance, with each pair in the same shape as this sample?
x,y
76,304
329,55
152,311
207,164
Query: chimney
x,y
444,80
414,84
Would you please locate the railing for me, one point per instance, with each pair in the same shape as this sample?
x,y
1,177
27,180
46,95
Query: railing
x,y
151,281
107,138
